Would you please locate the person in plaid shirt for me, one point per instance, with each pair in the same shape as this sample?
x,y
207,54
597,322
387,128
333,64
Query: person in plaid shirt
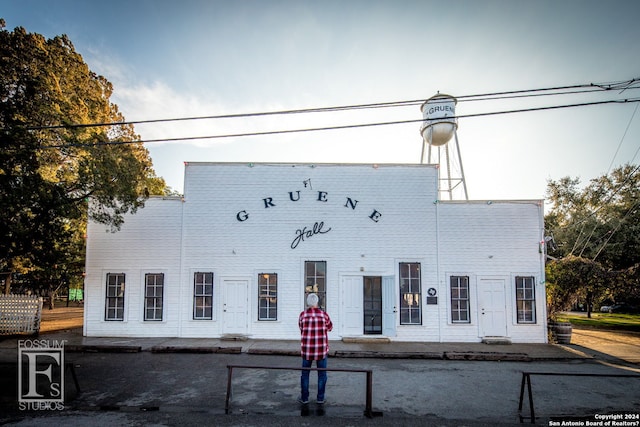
x,y
314,325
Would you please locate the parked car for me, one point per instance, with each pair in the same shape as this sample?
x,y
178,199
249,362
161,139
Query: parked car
x,y
605,308
623,308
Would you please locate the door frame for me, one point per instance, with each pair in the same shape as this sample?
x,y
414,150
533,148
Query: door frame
x,y
349,311
389,304
496,309
226,289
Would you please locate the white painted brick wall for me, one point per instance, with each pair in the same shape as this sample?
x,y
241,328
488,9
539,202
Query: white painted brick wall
x,y
498,239
214,237
148,242
475,238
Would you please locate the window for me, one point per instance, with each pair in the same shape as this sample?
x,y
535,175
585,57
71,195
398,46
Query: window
x,y
203,296
525,299
459,299
315,281
267,296
153,290
410,294
114,305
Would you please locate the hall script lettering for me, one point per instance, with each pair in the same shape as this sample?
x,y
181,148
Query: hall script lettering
x,y
306,233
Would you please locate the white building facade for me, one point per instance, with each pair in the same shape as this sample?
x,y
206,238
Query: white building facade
x,y
237,254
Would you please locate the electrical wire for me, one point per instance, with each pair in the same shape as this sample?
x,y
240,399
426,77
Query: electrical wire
x,y
602,205
584,247
606,242
551,91
623,137
620,86
327,128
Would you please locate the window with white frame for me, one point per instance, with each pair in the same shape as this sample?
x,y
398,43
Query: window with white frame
x,y
315,281
114,304
203,296
267,296
459,288
526,299
410,294
153,291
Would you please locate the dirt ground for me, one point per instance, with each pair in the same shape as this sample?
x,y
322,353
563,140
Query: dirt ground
x,y
61,318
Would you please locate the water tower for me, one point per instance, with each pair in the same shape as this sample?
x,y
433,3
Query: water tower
x,y
438,127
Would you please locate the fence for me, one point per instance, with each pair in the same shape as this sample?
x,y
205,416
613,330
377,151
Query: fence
x,y
20,314
368,411
526,381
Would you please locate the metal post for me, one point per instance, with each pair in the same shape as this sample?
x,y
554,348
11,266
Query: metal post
x,y
227,400
521,393
533,416
368,406
464,182
70,367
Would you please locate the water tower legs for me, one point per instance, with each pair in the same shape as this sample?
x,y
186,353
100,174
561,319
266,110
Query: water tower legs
x,y
450,175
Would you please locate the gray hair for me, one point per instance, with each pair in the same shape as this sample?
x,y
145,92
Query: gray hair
x,y
312,300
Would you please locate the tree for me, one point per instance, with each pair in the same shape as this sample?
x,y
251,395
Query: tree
x,y
601,221
52,163
600,226
572,278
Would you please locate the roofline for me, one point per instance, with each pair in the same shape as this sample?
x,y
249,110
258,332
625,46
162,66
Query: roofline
x,y
159,197
493,201
309,164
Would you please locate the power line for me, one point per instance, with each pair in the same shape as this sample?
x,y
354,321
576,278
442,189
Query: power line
x,y
550,91
602,185
612,232
602,205
623,136
327,128
584,247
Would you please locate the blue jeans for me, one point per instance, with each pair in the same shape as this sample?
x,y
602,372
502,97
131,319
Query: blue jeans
x,y
322,378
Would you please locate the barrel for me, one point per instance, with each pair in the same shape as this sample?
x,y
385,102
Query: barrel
x,y
563,332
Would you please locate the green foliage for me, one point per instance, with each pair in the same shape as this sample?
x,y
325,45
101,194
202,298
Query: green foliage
x,y
51,165
600,221
625,322
571,278
597,235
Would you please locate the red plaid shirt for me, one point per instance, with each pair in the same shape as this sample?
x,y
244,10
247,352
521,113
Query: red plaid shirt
x,y
314,325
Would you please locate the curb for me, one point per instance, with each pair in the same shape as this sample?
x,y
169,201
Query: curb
x,y
195,350
487,356
388,355
269,352
572,354
346,354
72,348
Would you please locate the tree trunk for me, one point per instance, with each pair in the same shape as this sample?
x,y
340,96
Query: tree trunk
x,y
52,295
7,284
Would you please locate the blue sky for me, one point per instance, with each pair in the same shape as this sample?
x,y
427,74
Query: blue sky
x,y
170,59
